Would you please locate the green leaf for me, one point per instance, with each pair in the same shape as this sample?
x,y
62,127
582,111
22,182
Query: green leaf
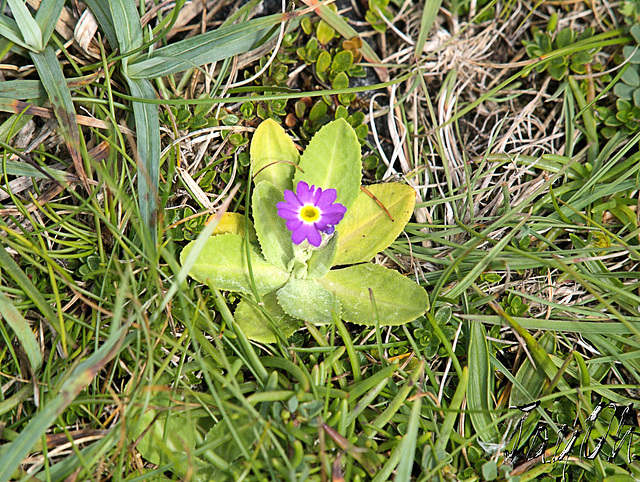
x,y
225,444
635,32
322,260
318,111
342,62
323,62
23,332
490,470
366,228
9,29
481,409
50,73
206,48
235,223
631,77
273,155
632,54
126,19
341,81
102,11
256,326
531,378
148,144
224,260
29,28
623,90
324,32
307,300
168,431
47,15
274,237
398,299
73,384
565,37
332,160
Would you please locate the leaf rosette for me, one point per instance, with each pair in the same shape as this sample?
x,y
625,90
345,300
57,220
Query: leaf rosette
x,y
285,282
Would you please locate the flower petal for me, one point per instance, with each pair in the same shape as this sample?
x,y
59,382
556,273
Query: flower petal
x,y
294,224
314,237
322,200
327,198
336,208
287,210
306,231
291,198
316,194
304,193
329,219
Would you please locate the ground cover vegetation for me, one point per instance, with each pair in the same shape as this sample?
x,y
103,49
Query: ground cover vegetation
x,y
126,134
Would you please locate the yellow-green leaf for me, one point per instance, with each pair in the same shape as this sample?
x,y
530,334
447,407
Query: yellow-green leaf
x,y
307,300
332,160
235,223
398,299
367,229
274,237
273,155
256,326
223,260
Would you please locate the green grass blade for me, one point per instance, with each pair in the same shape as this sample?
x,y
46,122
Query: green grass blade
x,y
29,28
384,375
589,123
11,268
407,446
21,328
479,389
102,12
540,356
9,29
148,139
595,326
79,378
21,89
125,17
15,168
25,89
477,270
202,49
531,378
398,401
429,13
50,73
446,428
47,15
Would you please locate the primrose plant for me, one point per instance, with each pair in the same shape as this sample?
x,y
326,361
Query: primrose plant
x,y
305,256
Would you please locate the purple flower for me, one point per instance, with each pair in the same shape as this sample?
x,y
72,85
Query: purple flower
x,y
309,212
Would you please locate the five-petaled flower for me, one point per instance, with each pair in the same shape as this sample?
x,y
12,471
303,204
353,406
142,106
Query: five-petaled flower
x,y
309,212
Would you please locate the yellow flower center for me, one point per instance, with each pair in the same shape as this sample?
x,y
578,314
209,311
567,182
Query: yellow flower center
x,y
309,214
